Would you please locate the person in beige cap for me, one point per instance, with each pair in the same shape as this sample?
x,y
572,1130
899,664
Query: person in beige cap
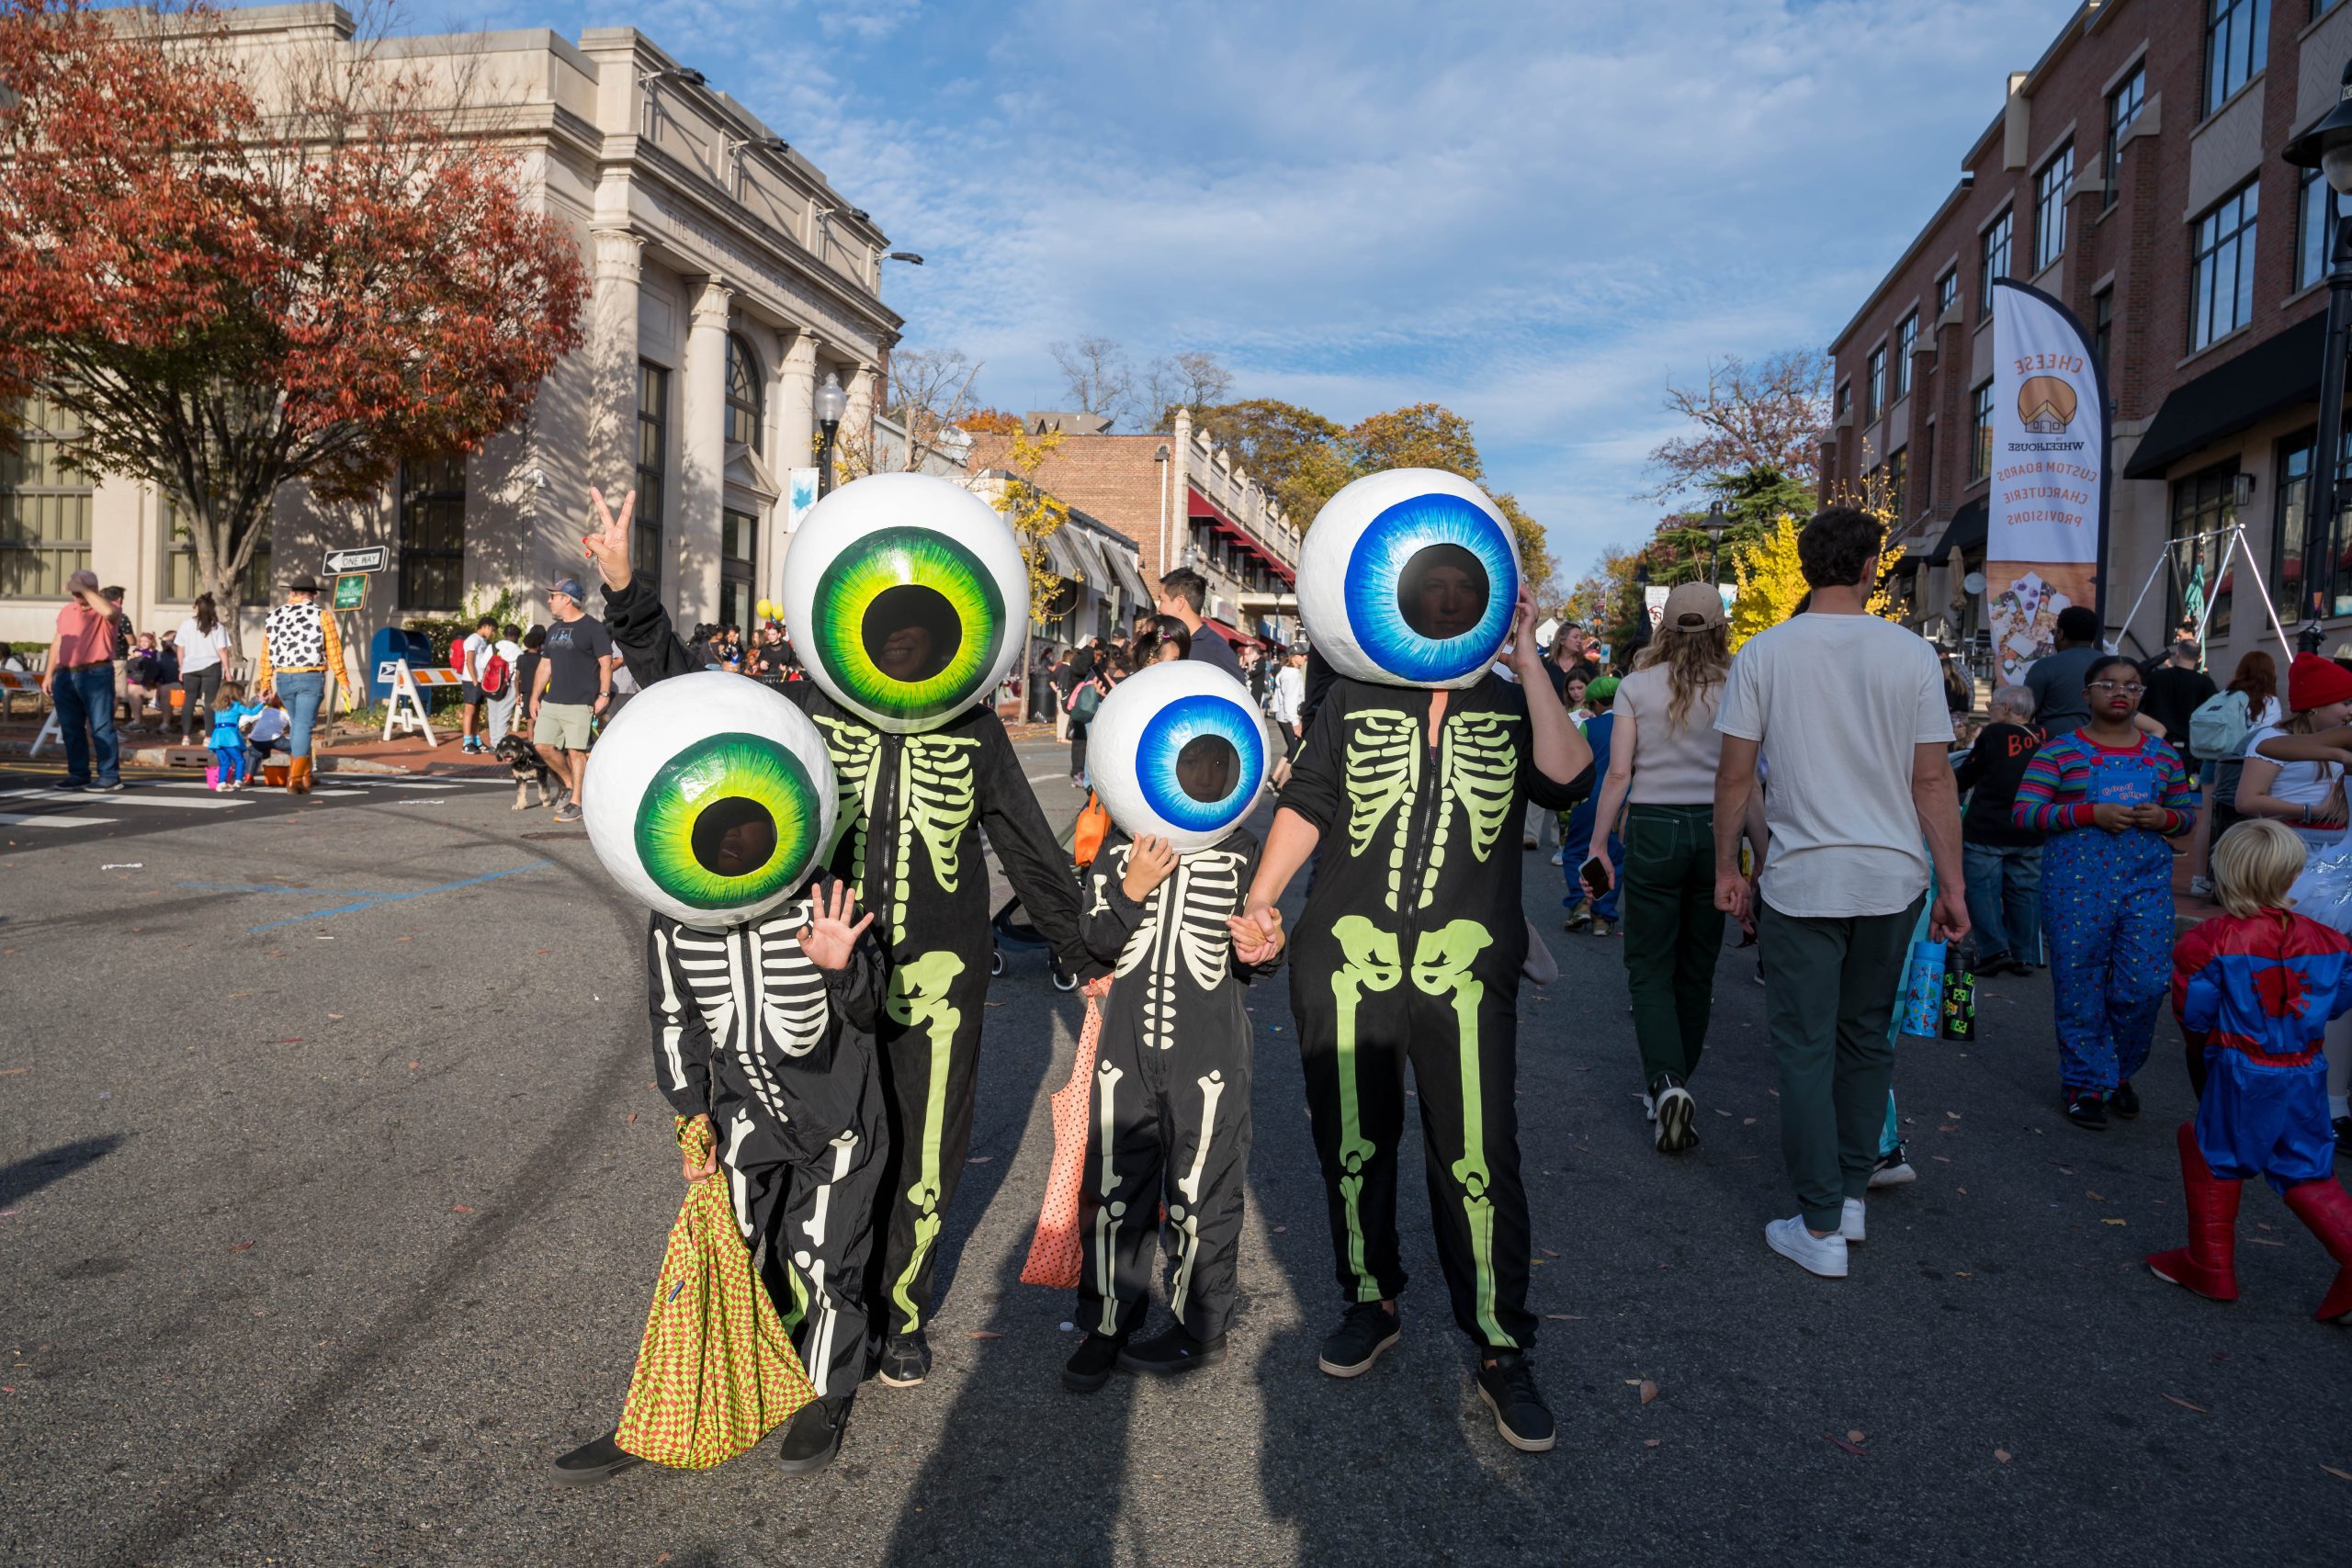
x,y
79,678
1662,761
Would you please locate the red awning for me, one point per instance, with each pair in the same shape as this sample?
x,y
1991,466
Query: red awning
x,y
1239,639
1209,511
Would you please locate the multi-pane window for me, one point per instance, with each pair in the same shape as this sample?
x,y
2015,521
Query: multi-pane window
x,y
2314,208
1898,481
744,399
1906,337
180,583
433,533
2123,107
2329,591
1845,398
1874,385
2220,291
2202,505
738,563
2102,325
1992,258
2050,188
652,468
2236,33
1947,292
44,507
1980,432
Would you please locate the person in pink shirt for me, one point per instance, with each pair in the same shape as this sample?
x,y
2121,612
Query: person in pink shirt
x,y
79,678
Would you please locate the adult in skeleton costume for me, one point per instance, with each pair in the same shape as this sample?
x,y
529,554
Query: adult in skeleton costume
x,y
713,804
904,596
1414,778
1177,754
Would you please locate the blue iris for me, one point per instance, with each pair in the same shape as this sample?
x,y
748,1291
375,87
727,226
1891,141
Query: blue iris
x,y
1378,565
1169,778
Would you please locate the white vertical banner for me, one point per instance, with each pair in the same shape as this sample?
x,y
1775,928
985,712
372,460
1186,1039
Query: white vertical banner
x,y
2046,532
802,484
1654,603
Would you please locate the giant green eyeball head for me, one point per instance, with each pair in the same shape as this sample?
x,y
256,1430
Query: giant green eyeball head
x,y
904,595
1410,578
709,798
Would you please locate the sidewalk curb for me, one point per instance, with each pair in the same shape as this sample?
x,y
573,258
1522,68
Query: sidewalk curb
x,y
194,758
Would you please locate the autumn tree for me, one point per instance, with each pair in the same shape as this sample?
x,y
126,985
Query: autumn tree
x,y
1422,436
1293,451
1033,512
227,295
1765,414
1771,581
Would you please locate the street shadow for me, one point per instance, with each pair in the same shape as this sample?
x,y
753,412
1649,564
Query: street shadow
x,y
27,1177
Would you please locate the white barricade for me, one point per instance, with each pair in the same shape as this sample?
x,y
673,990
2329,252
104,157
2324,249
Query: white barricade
x,y
406,709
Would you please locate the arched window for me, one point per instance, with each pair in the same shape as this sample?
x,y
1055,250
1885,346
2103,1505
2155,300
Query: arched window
x,y
744,403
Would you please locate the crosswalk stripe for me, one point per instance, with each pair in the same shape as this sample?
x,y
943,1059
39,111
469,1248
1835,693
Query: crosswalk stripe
x,y
19,819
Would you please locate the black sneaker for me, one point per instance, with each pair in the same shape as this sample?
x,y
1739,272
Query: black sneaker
x,y
1091,1365
813,1438
2087,1107
71,783
1507,1385
113,788
1676,1114
2125,1102
1171,1351
593,1462
906,1360
1367,1331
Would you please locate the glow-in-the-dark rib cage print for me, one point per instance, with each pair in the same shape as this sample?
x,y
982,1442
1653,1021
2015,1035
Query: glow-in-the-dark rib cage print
x,y
729,820
1392,550
909,623
1199,761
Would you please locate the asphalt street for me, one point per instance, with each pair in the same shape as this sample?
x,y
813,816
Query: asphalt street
x,y
333,1187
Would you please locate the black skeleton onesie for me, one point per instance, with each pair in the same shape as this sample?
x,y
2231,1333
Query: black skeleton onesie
x,y
781,1056
911,810
1169,1119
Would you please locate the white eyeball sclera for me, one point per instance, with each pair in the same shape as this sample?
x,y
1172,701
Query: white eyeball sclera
x,y
903,595
1177,750
1410,578
709,798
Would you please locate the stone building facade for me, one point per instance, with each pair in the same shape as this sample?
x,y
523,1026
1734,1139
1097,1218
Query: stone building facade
x,y
2134,174
728,278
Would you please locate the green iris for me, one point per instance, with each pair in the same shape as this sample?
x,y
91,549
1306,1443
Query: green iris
x,y
909,623
731,819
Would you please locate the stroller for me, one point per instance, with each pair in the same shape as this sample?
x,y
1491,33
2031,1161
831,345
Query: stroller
x,y
1083,839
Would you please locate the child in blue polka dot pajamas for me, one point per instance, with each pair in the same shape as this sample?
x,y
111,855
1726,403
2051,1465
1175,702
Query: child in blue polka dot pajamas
x,y
2107,796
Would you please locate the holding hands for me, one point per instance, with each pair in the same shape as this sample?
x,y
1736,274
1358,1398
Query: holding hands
x,y
828,937
1257,933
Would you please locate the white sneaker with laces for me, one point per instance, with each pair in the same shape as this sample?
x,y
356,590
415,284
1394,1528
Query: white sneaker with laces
x,y
1894,1173
1849,1222
1822,1255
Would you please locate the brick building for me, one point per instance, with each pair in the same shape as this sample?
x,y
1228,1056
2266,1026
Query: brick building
x,y
2134,174
1184,502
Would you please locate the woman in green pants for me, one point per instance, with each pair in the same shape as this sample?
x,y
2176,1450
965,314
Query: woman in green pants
x,y
1662,773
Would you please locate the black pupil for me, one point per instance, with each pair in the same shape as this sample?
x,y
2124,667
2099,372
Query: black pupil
x,y
1208,767
734,837
911,633
1443,592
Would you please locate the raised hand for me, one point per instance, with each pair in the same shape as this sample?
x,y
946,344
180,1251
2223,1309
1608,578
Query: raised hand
x,y
1524,655
829,938
607,546
1148,865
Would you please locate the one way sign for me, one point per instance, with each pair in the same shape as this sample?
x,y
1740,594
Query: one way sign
x,y
367,557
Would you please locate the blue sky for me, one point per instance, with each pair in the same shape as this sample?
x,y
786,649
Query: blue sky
x,y
1536,215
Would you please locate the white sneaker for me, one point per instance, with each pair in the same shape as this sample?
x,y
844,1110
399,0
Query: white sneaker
x,y
1849,1222
1894,1172
1822,1255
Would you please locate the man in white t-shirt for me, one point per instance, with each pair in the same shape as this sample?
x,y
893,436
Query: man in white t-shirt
x,y
1851,710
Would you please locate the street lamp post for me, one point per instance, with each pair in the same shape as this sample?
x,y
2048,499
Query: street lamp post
x,y
2327,146
831,402
1716,525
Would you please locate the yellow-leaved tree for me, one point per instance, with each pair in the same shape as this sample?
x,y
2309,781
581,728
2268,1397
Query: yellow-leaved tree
x,y
1772,582
1035,513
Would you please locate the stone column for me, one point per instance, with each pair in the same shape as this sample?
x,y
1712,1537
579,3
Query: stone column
x,y
701,456
795,424
858,422
1178,532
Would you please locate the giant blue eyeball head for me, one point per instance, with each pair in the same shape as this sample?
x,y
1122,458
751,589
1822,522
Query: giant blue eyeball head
x,y
712,799
904,595
1177,749
1410,578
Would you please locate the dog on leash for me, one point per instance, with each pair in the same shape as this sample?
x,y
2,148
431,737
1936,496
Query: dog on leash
x,y
523,759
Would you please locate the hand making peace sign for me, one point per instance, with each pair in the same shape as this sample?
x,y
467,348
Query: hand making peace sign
x,y
608,546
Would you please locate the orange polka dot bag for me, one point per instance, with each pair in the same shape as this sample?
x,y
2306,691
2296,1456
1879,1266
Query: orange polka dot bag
x,y
1057,1251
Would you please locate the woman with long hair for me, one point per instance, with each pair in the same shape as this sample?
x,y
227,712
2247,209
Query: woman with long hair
x,y
2306,795
1662,757
203,644
2255,689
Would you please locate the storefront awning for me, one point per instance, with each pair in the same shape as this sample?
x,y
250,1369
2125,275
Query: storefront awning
x,y
2237,394
1090,558
1967,530
1062,557
1239,639
1124,564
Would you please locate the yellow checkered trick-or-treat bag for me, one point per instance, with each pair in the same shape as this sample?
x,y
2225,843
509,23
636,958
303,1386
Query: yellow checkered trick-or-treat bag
x,y
716,1372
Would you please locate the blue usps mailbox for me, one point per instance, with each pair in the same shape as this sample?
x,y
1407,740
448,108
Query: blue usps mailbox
x,y
387,648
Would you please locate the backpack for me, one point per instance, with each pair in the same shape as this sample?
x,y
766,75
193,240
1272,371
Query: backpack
x,y
494,672
1083,701
2217,730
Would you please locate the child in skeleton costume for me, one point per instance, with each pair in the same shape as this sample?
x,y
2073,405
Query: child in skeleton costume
x,y
904,595
1178,755
1414,778
712,802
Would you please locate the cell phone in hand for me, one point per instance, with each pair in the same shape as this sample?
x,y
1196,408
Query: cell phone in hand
x,y
1595,875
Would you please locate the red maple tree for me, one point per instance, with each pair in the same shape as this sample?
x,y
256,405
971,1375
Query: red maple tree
x,y
230,291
